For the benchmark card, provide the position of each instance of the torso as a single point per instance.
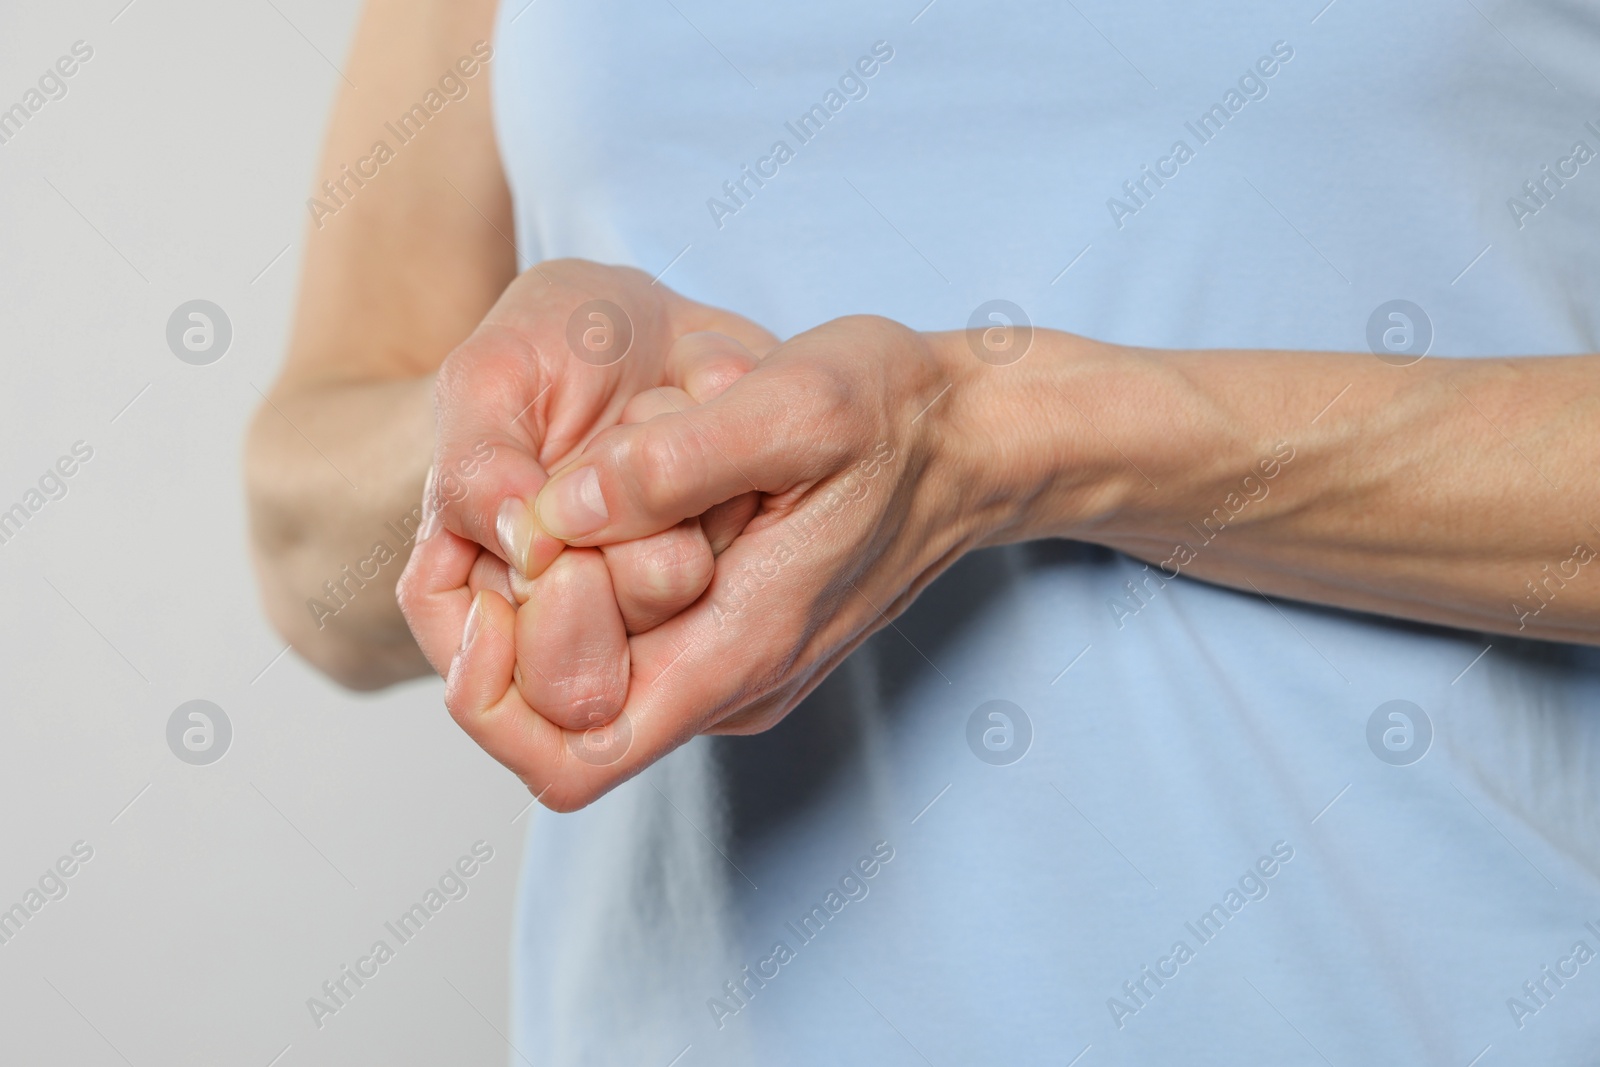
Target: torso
(1197, 729)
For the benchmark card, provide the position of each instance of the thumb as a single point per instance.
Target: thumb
(778, 427)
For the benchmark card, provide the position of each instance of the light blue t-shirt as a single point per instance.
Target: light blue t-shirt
(1198, 827)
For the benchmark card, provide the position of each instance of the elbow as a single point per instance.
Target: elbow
(354, 637)
(359, 670)
(338, 649)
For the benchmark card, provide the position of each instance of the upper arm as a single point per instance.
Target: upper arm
(412, 246)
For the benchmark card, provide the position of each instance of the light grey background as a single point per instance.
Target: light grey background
(219, 897)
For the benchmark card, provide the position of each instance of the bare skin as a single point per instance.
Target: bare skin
(388, 287)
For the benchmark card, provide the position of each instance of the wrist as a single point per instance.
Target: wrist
(1057, 443)
(1138, 449)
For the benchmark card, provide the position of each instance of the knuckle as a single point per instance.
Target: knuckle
(826, 423)
(577, 706)
(671, 569)
(593, 703)
(665, 459)
(828, 390)
(485, 364)
(835, 395)
(458, 374)
(586, 692)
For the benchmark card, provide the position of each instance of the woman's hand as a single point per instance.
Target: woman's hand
(873, 480)
(572, 652)
(570, 348)
(559, 357)
(1449, 493)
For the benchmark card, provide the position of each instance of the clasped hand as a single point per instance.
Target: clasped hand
(648, 520)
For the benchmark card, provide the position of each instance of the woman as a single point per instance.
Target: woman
(1263, 717)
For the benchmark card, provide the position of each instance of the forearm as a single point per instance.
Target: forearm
(1452, 491)
(332, 524)
(399, 266)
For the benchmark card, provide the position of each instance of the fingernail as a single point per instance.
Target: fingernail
(572, 505)
(474, 623)
(430, 510)
(514, 526)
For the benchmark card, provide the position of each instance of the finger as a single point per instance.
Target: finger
(666, 399)
(433, 597)
(704, 364)
(768, 432)
(658, 576)
(701, 366)
(485, 468)
(564, 769)
(709, 663)
(480, 671)
(685, 676)
(490, 572)
(484, 703)
(571, 647)
(690, 317)
(707, 366)
(727, 520)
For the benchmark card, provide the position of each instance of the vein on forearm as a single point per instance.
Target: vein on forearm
(1448, 492)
